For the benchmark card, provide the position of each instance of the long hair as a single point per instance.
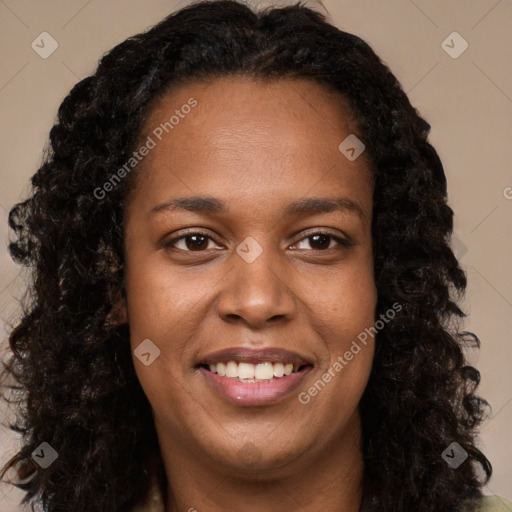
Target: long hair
(76, 386)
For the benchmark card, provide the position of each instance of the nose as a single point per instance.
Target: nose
(257, 292)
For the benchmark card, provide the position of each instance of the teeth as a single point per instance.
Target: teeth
(278, 370)
(221, 369)
(247, 372)
(264, 371)
(231, 369)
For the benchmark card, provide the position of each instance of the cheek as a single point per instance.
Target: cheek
(345, 318)
(345, 301)
(161, 300)
(164, 308)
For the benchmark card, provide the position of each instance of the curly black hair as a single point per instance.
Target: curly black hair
(75, 382)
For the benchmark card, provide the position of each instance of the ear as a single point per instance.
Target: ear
(118, 314)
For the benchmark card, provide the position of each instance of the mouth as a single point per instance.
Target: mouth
(254, 377)
(266, 371)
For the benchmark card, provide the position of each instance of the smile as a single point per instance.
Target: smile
(248, 372)
(249, 384)
(249, 377)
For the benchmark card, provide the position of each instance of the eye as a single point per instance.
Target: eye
(192, 242)
(322, 240)
(198, 241)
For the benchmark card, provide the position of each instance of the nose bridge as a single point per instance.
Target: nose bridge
(256, 288)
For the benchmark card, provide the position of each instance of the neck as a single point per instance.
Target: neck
(330, 480)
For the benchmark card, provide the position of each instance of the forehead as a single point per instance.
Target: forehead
(229, 104)
(248, 135)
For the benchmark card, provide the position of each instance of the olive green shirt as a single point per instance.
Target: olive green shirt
(154, 502)
(495, 504)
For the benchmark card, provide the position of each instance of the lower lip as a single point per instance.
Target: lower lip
(254, 393)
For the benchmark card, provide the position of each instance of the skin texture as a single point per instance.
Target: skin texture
(257, 147)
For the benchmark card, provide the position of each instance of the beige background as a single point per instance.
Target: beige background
(467, 100)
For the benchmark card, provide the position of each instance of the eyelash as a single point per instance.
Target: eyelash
(342, 242)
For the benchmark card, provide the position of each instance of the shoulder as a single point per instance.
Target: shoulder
(494, 504)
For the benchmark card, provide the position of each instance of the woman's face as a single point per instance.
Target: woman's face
(261, 273)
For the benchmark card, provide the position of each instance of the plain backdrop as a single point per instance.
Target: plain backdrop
(464, 93)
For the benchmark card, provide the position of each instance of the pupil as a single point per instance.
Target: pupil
(323, 238)
(196, 245)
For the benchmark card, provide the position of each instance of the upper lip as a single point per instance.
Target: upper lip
(255, 356)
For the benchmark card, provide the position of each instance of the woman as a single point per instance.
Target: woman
(243, 286)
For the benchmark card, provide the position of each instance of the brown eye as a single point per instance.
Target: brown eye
(322, 241)
(197, 242)
(191, 242)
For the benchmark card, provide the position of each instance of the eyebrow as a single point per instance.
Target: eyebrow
(301, 208)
